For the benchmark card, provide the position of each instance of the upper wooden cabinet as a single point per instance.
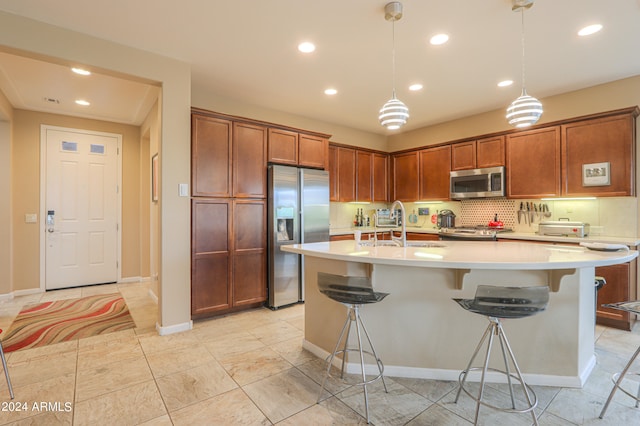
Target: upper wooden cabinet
(346, 177)
(487, 152)
(210, 156)
(313, 151)
(333, 173)
(405, 176)
(434, 169)
(228, 159)
(249, 161)
(533, 163)
(283, 147)
(364, 176)
(300, 149)
(380, 177)
(609, 140)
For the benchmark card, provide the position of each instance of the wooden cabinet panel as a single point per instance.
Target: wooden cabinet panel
(435, 166)
(283, 147)
(620, 287)
(380, 177)
(364, 176)
(346, 174)
(210, 156)
(405, 176)
(463, 155)
(333, 173)
(611, 140)
(249, 252)
(533, 163)
(341, 237)
(419, 236)
(210, 256)
(312, 151)
(249, 161)
(490, 152)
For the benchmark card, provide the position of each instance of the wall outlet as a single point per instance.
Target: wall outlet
(423, 211)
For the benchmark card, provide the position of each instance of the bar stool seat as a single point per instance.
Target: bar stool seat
(497, 303)
(6, 370)
(632, 306)
(353, 292)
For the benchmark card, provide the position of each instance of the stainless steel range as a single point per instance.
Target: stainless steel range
(471, 233)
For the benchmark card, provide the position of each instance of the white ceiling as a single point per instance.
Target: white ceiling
(246, 50)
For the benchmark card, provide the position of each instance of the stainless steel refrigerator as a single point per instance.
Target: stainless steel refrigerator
(298, 212)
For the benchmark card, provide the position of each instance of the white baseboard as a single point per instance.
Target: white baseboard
(13, 294)
(153, 296)
(130, 280)
(452, 375)
(171, 329)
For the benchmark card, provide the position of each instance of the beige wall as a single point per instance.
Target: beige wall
(47, 42)
(6, 114)
(340, 134)
(26, 191)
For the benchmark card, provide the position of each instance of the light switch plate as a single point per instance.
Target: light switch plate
(183, 189)
(30, 218)
(422, 211)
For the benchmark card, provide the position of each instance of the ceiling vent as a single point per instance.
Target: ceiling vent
(51, 100)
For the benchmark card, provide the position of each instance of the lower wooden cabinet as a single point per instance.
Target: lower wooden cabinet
(420, 236)
(621, 282)
(228, 255)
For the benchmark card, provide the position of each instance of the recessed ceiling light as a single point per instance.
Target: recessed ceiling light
(590, 29)
(306, 47)
(81, 71)
(505, 83)
(82, 102)
(415, 87)
(439, 39)
(330, 91)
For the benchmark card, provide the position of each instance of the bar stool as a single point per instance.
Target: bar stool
(632, 306)
(6, 370)
(353, 292)
(497, 303)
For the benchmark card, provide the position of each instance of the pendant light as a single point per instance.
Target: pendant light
(394, 113)
(526, 110)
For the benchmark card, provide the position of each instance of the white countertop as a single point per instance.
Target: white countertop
(527, 236)
(468, 255)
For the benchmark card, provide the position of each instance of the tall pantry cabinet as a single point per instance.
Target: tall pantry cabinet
(228, 214)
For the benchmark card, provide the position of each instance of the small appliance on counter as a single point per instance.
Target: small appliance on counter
(446, 219)
(384, 219)
(564, 228)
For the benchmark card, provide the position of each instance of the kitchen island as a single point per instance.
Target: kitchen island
(420, 332)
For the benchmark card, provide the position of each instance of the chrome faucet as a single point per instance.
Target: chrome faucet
(402, 240)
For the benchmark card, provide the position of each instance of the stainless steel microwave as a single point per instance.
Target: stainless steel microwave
(477, 183)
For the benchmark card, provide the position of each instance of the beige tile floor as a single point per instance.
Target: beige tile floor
(249, 368)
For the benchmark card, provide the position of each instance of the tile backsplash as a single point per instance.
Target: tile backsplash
(610, 216)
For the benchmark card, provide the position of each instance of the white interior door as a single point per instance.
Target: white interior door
(81, 208)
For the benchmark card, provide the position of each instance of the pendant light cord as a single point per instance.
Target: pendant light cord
(393, 56)
(522, 29)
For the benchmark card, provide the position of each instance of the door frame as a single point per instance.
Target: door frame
(43, 196)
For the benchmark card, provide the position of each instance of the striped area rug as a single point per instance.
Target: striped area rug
(63, 320)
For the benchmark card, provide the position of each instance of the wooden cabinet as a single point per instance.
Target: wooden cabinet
(621, 284)
(210, 156)
(249, 161)
(228, 159)
(364, 176)
(228, 259)
(283, 147)
(533, 163)
(434, 168)
(420, 236)
(405, 176)
(380, 177)
(333, 173)
(300, 149)
(313, 151)
(346, 175)
(487, 152)
(606, 140)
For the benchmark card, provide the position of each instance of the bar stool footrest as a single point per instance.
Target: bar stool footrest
(615, 378)
(528, 409)
(378, 361)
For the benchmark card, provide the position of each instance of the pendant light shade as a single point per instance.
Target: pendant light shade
(526, 110)
(394, 113)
